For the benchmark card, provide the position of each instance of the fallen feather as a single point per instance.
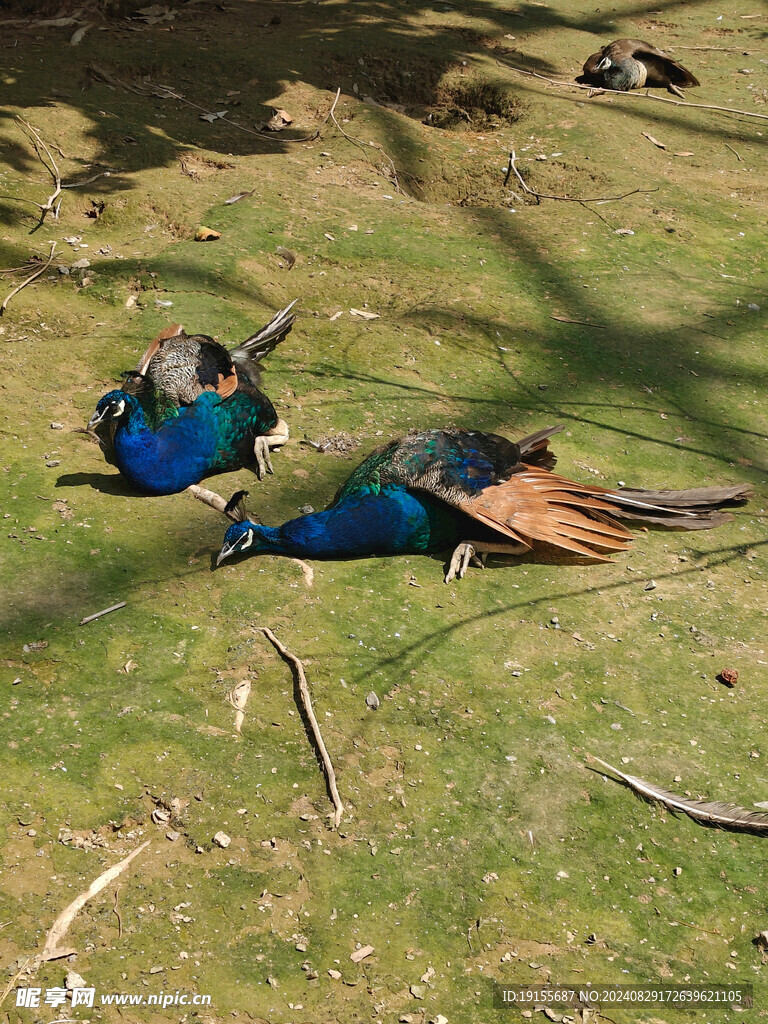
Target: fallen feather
(365, 314)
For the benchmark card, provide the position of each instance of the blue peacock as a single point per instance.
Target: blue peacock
(192, 408)
(473, 493)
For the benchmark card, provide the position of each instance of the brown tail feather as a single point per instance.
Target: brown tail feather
(534, 505)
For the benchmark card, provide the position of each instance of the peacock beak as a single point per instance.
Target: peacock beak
(95, 420)
(225, 552)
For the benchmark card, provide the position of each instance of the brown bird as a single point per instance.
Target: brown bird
(628, 64)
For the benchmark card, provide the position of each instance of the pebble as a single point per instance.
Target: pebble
(222, 839)
(57, 426)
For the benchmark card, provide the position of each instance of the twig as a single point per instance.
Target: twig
(363, 145)
(210, 498)
(571, 199)
(307, 570)
(584, 323)
(31, 278)
(733, 151)
(104, 611)
(60, 926)
(306, 701)
(116, 912)
(78, 184)
(30, 961)
(695, 927)
(631, 95)
(38, 141)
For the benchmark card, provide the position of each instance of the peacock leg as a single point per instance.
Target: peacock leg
(275, 437)
(261, 453)
(467, 552)
(278, 434)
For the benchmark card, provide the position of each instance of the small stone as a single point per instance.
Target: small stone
(306, 510)
(52, 463)
(31, 833)
(82, 264)
(650, 585)
(418, 991)
(74, 980)
(333, 973)
(301, 947)
(172, 836)
(272, 982)
(156, 970)
(677, 872)
(57, 426)
(361, 954)
(372, 701)
(222, 839)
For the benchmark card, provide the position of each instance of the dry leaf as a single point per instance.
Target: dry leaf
(77, 36)
(214, 117)
(336, 315)
(654, 141)
(280, 119)
(365, 314)
(207, 235)
(128, 667)
(330, 238)
(684, 153)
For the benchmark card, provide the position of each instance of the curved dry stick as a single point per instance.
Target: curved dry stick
(632, 95)
(60, 926)
(31, 278)
(568, 199)
(306, 702)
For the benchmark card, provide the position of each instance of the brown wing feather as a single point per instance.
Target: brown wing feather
(172, 331)
(539, 506)
(227, 385)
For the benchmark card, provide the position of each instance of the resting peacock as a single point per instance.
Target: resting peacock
(192, 408)
(628, 64)
(476, 493)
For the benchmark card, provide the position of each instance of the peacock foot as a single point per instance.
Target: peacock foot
(461, 559)
(475, 552)
(261, 453)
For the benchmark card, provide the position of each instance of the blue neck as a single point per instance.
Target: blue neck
(179, 453)
(392, 522)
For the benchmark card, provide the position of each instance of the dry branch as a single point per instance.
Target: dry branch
(31, 278)
(60, 926)
(568, 199)
(104, 611)
(306, 702)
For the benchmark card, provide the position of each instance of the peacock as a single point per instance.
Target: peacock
(628, 64)
(192, 408)
(474, 493)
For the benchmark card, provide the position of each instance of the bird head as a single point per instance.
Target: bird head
(603, 64)
(241, 538)
(244, 535)
(111, 408)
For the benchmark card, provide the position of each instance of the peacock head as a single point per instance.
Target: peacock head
(111, 408)
(244, 535)
(240, 538)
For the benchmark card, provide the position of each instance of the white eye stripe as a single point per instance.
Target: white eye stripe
(247, 541)
(121, 407)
